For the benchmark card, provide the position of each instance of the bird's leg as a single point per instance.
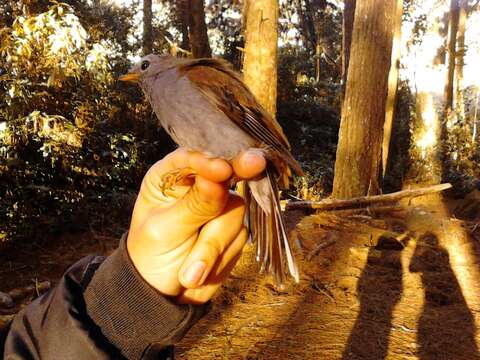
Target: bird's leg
(174, 177)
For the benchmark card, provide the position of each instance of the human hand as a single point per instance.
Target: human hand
(186, 243)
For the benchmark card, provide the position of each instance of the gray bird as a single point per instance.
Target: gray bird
(205, 106)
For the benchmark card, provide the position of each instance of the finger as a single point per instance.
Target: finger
(214, 170)
(219, 273)
(249, 164)
(232, 253)
(204, 201)
(150, 190)
(213, 239)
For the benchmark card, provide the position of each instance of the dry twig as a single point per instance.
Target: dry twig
(328, 204)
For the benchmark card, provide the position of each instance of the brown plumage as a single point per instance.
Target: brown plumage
(204, 106)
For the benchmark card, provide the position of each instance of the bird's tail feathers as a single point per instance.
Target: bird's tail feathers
(267, 228)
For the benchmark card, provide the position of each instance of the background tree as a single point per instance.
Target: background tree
(198, 29)
(392, 84)
(460, 57)
(260, 64)
(317, 26)
(147, 47)
(358, 159)
(347, 27)
(453, 19)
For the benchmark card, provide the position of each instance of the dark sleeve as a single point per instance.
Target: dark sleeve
(101, 309)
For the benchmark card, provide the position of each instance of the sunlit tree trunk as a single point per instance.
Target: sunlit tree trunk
(198, 30)
(260, 64)
(348, 18)
(452, 52)
(460, 55)
(392, 85)
(426, 126)
(426, 167)
(318, 54)
(147, 47)
(475, 114)
(357, 165)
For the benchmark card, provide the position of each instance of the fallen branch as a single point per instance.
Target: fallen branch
(328, 204)
(368, 210)
(328, 242)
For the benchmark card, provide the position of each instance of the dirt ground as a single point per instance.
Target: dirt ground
(400, 286)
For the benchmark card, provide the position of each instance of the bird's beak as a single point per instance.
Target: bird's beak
(132, 77)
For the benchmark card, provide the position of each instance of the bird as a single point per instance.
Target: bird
(204, 106)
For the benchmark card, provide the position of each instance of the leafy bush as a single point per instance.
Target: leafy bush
(308, 111)
(71, 138)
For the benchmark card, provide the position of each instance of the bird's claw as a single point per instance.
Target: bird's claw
(174, 177)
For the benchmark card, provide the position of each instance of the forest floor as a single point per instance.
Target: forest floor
(400, 286)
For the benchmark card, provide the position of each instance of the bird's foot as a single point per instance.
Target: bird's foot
(174, 177)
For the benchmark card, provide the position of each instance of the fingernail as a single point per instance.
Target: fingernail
(194, 273)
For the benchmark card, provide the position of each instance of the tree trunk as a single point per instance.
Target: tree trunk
(357, 165)
(198, 30)
(147, 47)
(452, 52)
(318, 55)
(348, 19)
(307, 23)
(183, 15)
(260, 65)
(460, 55)
(392, 85)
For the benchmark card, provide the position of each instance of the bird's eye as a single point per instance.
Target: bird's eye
(145, 64)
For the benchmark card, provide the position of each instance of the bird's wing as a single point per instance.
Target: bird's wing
(223, 86)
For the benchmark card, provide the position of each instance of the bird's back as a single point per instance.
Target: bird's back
(191, 119)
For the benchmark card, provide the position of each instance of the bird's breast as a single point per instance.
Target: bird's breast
(192, 120)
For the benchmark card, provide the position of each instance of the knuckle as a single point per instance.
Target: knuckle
(214, 246)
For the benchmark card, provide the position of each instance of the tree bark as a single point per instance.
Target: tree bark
(460, 55)
(147, 47)
(348, 19)
(307, 23)
(183, 16)
(260, 64)
(392, 85)
(452, 53)
(198, 30)
(318, 54)
(357, 165)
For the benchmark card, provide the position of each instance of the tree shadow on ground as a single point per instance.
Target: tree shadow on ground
(446, 327)
(379, 289)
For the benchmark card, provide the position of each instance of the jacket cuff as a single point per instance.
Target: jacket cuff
(132, 314)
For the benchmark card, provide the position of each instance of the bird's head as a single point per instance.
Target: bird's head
(149, 65)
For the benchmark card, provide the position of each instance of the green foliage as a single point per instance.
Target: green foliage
(70, 137)
(461, 153)
(309, 114)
